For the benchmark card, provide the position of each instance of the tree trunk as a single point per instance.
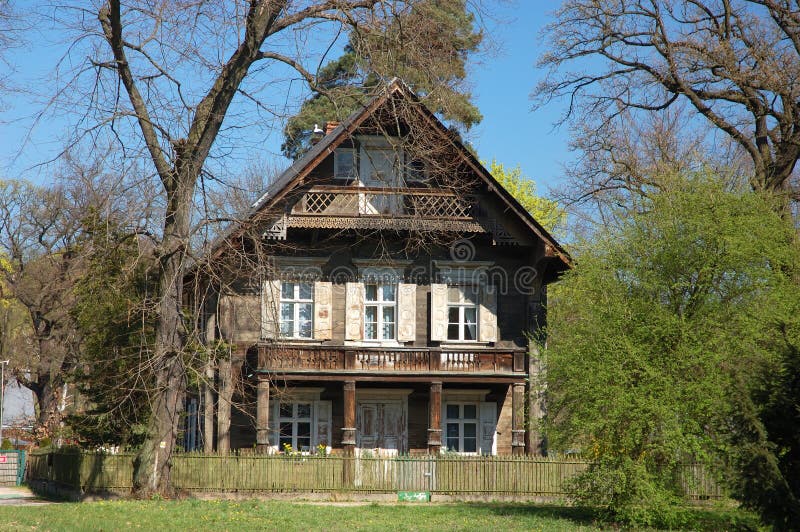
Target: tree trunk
(152, 464)
(47, 405)
(208, 409)
(224, 407)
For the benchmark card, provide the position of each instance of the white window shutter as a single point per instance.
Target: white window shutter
(270, 301)
(354, 310)
(323, 323)
(487, 315)
(488, 427)
(407, 312)
(438, 312)
(322, 424)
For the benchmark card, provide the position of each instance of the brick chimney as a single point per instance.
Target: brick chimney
(330, 126)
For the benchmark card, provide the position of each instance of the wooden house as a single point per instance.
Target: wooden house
(379, 297)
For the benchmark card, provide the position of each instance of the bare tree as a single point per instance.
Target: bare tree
(167, 79)
(735, 62)
(44, 251)
(36, 234)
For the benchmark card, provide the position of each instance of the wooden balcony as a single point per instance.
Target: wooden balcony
(381, 202)
(277, 358)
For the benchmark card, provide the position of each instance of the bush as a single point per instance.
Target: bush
(6, 445)
(625, 491)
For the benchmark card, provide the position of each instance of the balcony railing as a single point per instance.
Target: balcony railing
(287, 358)
(372, 201)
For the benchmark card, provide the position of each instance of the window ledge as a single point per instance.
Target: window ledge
(373, 343)
(455, 344)
(298, 341)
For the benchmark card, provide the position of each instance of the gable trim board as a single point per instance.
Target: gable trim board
(296, 173)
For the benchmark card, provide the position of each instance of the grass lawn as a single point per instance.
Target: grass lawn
(274, 515)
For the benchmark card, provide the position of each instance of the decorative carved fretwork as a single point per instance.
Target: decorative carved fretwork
(499, 233)
(391, 223)
(277, 230)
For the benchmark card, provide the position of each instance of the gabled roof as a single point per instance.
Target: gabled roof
(293, 176)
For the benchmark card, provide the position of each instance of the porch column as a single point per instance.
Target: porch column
(518, 418)
(262, 416)
(349, 429)
(435, 418)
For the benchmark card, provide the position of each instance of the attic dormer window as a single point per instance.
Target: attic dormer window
(379, 162)
(344, 163)
(416, 171)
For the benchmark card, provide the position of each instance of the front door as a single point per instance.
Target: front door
(381, 427)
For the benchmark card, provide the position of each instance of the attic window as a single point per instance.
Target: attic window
(415, 170)
(344, 164)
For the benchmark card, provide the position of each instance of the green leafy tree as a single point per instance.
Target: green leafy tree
(113, 310)
(667, 344)
(427, 45)
(546, 211)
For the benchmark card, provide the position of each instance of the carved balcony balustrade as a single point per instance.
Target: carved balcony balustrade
(332, 359)
(377, 201)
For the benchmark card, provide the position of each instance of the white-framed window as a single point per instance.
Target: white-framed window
(461, 427)
(344, 163)
(380, 311)
(297, 308)
(294, 424)
(462, 313)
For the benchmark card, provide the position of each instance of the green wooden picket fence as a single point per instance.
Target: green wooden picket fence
(453, 475)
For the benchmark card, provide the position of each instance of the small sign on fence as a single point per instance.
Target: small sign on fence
(414, 496)
(3, 459)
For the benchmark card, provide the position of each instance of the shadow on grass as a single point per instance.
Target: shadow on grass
(698, 518)
(576, 514)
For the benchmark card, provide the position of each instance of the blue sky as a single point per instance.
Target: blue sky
(502, 82)
(511, 131)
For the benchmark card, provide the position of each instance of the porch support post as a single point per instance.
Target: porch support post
(349, 429)
(435, 418)
(349, 434)
(262, 416)
(518, 418)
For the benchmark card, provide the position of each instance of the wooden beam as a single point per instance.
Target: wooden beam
(435, 418)
(262, 416)
(349, 429)
(518, 418)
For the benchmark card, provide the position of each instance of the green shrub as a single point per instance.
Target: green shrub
(624, 491)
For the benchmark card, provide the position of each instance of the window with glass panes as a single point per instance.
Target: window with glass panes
(461, 427)
(462, 313)
(297, 305)
(294, 421)
(380, 311)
